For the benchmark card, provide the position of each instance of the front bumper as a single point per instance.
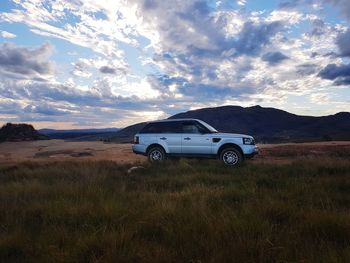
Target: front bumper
(251, 152)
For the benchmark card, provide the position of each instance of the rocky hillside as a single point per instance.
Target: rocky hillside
(265, 124)
(19, 132)
(270, 124)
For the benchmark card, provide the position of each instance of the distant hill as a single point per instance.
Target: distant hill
(265, 124)
(127, 134)
(95, 134)
(20, 132)
(270, 124)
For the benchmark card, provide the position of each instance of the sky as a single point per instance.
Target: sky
(112, 63)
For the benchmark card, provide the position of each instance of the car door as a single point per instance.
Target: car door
(169, 135)
(194, 139)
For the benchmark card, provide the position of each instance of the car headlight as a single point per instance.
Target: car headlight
(249, 141)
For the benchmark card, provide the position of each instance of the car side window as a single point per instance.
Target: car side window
(189, 127)
(201, 128)
(162, 127)
(170, 127)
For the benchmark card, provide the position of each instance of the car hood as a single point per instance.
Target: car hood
(229, 135)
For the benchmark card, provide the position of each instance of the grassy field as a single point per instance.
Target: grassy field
(180, 211)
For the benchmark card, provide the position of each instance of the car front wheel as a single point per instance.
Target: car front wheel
(231, 156)
(156, 154)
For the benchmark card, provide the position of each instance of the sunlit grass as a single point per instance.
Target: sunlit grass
(180, 211)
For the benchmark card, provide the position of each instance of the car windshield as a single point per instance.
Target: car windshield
(210, 128)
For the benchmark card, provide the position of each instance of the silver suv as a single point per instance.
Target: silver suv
(192, 138)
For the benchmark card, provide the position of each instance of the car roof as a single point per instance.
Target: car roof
(169, 120)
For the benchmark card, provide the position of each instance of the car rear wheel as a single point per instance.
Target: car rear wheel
(156, 154)
(231, 156)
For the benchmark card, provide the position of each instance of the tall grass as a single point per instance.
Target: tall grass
(180, 211)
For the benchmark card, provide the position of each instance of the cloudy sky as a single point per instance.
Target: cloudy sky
(111, 63)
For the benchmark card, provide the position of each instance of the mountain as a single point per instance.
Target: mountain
(79, 133)
(265, 124)
(127, 134)
(20, 132)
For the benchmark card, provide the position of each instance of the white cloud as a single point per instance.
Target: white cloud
(81, 68)
(290, 17)
(176, 55)
(24, 63)
(6, 34)
(241, 2)
(54, 19)
(320, 98)
(98, 105)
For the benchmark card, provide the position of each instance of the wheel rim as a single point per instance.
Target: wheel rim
(230, 158)
(156, 155)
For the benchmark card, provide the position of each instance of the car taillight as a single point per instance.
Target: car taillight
(136, 140)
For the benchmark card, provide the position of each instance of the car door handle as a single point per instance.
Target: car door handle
(163, 138)
(187, 138)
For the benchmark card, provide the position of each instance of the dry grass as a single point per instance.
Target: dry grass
(182, 211)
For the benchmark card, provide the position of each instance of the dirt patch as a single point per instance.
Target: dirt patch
(307, 150)
(81, 154)
(287, 153)
(61, 153)
(48, 154)
(56, 150)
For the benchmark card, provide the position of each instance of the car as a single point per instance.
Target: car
(192, 138)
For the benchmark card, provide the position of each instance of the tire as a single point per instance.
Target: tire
(156, 154)
(231, 156)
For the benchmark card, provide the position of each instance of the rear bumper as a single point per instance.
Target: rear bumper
(139, 149)
(137, 152)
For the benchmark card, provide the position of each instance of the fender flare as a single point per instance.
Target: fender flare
(227, 145)
(154, 145)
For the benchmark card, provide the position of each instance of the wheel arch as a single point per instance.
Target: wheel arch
(230, 145)
(154, 145)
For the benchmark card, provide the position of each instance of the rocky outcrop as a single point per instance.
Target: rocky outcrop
(20, 132)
